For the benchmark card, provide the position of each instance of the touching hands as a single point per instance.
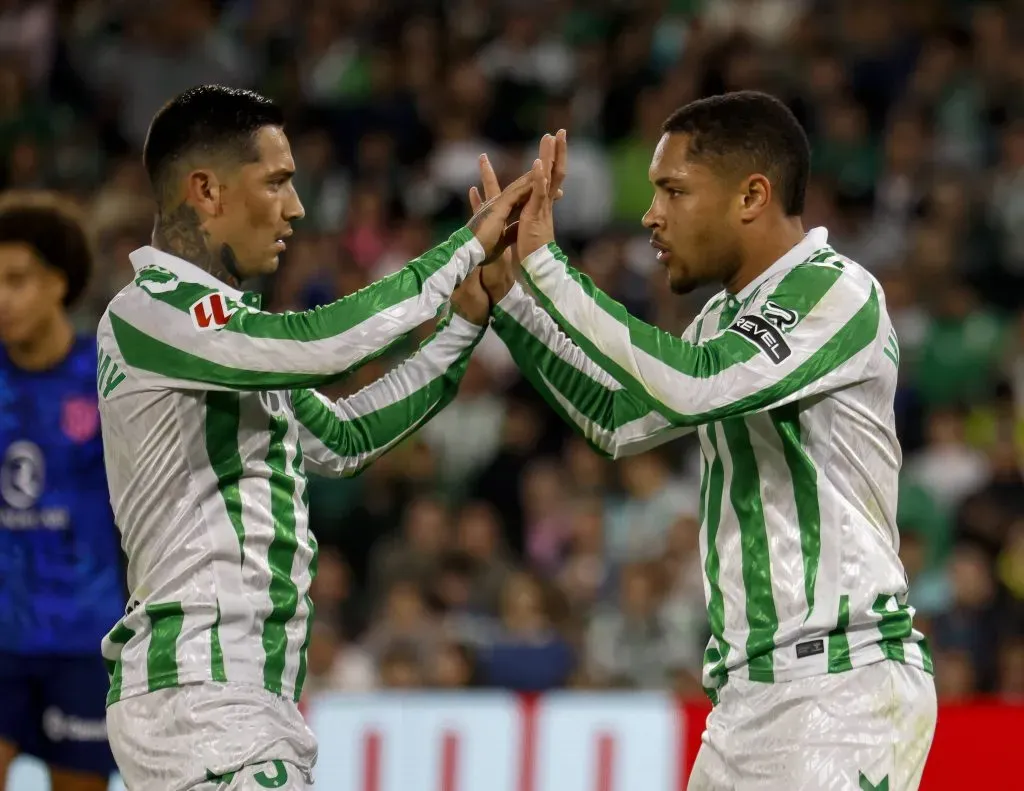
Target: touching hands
(490, 222)
(498, 277)
(536, 227)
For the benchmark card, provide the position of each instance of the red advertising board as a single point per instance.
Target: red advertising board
(584, 742)
(575, 742)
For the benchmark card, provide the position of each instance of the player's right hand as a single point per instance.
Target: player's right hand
(493, 225)
(536, 227)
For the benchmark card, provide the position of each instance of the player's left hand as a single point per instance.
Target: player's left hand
(497, 277)
(536, 221)
(470, 301)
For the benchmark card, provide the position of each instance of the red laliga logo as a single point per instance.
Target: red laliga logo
(211, 312)
(80, 418)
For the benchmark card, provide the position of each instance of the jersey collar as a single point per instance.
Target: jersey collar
(813, 240)
(149, 256)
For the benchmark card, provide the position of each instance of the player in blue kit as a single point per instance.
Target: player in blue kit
(61, 578)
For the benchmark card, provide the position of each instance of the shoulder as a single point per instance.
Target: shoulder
(827, 279)
(159, 297)
(156, 278)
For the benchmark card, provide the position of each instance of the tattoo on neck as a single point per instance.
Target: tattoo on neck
(179, 232)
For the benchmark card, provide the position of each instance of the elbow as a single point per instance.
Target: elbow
(605, 446)
(619, 450)
(350, 470)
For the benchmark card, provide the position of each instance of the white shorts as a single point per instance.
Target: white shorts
(193, 737)
(867, 728)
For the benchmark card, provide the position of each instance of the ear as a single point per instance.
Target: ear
(755, 197)
(60, 284)
(205, 192)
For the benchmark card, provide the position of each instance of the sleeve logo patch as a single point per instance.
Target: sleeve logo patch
(212, 312)
(783, 318)
(769, 339)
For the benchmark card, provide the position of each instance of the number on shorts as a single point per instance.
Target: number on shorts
(279, 778)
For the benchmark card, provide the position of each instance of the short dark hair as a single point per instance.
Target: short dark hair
(209, 119)
(749, 129)
(54, 229)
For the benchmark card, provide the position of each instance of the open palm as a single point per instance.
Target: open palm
(498, 276)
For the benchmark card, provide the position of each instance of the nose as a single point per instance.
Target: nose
(293, 208)
(652, 217)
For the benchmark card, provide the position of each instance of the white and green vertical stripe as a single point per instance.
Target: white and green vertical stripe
(799, 457)
(224, 580)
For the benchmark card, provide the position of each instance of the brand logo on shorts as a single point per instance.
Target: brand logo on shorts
(867, 785)
(212, 312)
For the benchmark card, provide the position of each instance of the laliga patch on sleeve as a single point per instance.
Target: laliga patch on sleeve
(766, 336)
(212, 312)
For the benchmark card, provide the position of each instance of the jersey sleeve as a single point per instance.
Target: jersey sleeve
(194, 337)
(805, 333)
(615, 421)
(340, 439)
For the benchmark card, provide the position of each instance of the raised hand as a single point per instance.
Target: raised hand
(498, 277)
(490, 222)
(536, 226)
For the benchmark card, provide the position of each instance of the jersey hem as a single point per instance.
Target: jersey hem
(167, 681)
(863, 659)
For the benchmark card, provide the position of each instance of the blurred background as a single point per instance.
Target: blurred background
(495, 549)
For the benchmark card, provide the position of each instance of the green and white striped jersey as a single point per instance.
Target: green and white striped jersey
(209, 429)
(790, 385)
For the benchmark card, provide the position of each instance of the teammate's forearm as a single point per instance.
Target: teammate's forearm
(750, 366)
(242, 348)
(346, 436)
(615, 422)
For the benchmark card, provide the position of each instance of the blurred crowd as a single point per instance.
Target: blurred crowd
(495, 548)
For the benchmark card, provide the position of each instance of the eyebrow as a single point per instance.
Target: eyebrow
(281, 173)
(665, 181)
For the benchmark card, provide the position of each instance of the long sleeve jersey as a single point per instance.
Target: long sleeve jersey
(789, 384)
(209, 429)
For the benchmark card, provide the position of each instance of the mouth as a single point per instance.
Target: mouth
(664, 253)
(280, 245)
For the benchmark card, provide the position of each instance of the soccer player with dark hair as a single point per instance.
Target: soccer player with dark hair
(788, 376)
(61, 579)
(210, 424)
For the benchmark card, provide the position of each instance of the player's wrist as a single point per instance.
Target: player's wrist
(514, 295)
(540, 255)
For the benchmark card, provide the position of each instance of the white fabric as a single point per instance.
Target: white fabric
(174, 739)
(820, 734)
